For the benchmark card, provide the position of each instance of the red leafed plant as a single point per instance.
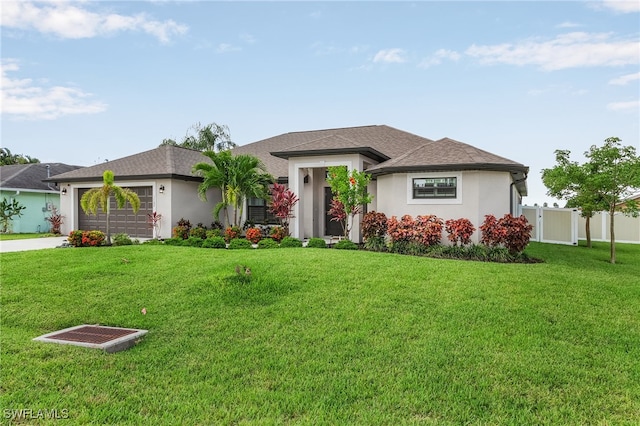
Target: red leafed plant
(374, 224)
(277, 233)
(55, 219)
(425, 230)
(338, 214)
(153, 219)
(281, 204)
(459, 230)
(512, 232)
(254, 235)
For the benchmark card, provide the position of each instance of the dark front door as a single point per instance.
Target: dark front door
(331, 227)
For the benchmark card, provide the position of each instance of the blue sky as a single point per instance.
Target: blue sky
(87, 81)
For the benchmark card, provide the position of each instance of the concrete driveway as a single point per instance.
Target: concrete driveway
(31, 244)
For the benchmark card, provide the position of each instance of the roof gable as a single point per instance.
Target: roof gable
(381, 140)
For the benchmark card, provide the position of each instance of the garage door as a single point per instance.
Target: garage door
(123, 220)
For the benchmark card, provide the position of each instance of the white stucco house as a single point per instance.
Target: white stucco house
(410, 175)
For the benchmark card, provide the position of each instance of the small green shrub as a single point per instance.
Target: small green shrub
(231, 233)
(278, 233)
(216, 232)
(317, 243)
(173, 241)
(240, 243)
(153, 242)
(375, 243)
(122, 240)
(345, 245)
(290, 242)
(267, 243)
(498, 254)
(180, 232)
(198, 232)
(214, 242)
(193, 242)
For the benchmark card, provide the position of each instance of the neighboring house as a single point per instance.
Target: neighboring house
(25, 183)
(162, 179)
(411, 175)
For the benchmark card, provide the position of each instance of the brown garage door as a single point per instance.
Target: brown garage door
(123, 220)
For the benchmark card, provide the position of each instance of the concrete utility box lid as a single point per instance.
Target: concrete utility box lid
(109, 339)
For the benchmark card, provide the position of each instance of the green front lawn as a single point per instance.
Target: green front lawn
(325, 336)
(8, 237)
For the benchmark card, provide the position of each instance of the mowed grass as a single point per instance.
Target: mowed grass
(320, 336)
(26, 236)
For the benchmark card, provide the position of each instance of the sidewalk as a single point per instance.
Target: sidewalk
(31, 244)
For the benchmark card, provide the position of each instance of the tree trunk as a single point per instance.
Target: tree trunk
(588, 231)
(612, 211)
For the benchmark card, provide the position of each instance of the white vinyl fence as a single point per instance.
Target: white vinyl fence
(566, 226)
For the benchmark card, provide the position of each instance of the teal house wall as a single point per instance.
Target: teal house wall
(38, 208)
(25, 184)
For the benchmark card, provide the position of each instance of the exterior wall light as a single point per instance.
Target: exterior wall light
(64, 191)
(161, 189)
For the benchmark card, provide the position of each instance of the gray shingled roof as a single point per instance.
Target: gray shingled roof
(402, 151)
(166, 161)
(31, 176)
(447, 154)
(385, 140)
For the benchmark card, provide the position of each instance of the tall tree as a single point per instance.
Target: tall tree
(7, 158)
(615, 171)
(237, 177)
(101, 198)
(211, 137)
(573, 182)
(350, 188)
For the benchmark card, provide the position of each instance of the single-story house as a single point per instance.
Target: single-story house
(24, 183)
(410, 175)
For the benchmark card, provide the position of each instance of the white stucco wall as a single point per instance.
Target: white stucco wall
(178, 200)
(479, 193)
(309, 212)
(185, 203)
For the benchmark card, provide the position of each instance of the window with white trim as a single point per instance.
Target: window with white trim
(435, 188)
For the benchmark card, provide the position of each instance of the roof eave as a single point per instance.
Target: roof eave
(512, 168)
(126, 177)
(366, 151)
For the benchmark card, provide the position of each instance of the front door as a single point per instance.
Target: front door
(331, 227)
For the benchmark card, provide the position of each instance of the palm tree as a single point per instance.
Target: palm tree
(249, 179)
(237, 177)
(215, 175)
(101, 197)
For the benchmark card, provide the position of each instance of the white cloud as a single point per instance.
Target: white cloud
(438, 56)
(572, 50)
(623, 106)
(568, 24)
(24, 100)
(74, 20)
(390, 56)
(625, 79)
(624, 6)
(226, 48)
